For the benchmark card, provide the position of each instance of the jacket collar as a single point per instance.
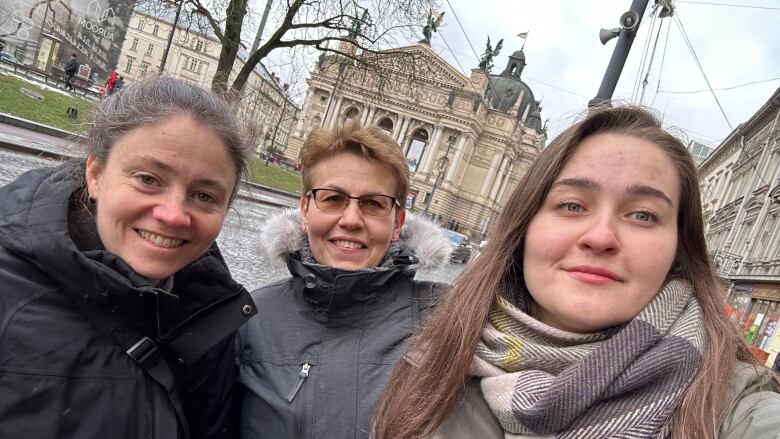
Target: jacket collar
(422, 246)
(34, 225)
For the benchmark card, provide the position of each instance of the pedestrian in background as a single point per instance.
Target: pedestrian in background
(594, 311)
(316, 357)
(110, 81)
(70, 70)
(118, 312)
(119, 84)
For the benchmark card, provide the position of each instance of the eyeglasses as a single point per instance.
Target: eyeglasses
(333, 201)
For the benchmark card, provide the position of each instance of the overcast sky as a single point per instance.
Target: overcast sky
(566, 61)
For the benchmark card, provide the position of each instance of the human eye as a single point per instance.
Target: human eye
(147, 179)
(331, 198)
(570, 207)
(206, 198)
(644, 216)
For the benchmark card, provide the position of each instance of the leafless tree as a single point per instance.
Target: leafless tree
(321, 24)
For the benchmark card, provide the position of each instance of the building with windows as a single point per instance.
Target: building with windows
(468, 139)
(193, 57)
(740, 182)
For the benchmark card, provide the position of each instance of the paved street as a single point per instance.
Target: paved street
(239, 240)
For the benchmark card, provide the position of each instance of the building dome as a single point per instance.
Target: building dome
(507, 93)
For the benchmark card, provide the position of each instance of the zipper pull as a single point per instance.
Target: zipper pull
(302, 375)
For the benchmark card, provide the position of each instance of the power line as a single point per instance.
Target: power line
(729, 4)
(461, 29)
(663, 58)
(720, 89)
(698, 64)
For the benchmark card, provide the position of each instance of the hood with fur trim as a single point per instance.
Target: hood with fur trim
(283, 236)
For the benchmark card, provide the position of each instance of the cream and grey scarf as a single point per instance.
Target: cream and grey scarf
(623, 382)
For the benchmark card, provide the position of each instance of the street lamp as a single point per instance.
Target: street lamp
(443, 162)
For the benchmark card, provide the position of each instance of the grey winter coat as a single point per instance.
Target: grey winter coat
(754, 414)
(315, 359)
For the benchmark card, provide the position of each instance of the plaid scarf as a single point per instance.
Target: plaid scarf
(623, 382)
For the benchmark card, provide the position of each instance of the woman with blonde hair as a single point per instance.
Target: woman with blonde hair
(593, 312)
(315, 359)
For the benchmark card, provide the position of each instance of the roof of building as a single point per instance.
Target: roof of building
(508, 93)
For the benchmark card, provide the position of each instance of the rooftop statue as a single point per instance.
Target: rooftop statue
(486, 61)
(431, 26)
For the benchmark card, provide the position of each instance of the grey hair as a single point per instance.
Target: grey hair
(151, 101)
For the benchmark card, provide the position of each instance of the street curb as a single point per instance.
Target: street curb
(40, 128)
(60, 133)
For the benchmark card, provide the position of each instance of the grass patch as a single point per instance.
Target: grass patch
(52, 110)
(275, 176)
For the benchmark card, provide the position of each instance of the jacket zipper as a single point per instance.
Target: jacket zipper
(302, 375)
(169, 335)
(149, 407)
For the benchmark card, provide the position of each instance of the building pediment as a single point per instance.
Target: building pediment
(420, 61)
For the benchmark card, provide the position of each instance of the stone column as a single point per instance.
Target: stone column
(334, 115)
(490, 175)
(455, 163)
(430, 150)
(307, 103)
(402, 132)
(369, 115)
(497, 183)
(505, 183)
(397, 126)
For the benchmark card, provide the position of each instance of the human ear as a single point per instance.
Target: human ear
(92, 176)
(400, 218)
(304, 209)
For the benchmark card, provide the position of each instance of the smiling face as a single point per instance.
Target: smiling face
(162, 195)
(350, 239)
(604, 239)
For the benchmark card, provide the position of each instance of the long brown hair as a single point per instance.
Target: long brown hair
(420, 397)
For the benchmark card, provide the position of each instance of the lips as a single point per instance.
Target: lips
(595, 273)
(347, 244)
(159, 240)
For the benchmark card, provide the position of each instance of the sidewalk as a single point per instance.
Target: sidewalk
(28, 137)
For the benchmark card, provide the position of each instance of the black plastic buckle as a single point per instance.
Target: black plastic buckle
(144, 352)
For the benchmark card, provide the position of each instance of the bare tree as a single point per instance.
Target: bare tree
(320, 24)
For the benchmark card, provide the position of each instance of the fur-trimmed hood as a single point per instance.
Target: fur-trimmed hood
(283, 236)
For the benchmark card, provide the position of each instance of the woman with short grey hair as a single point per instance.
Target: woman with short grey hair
(118, 311)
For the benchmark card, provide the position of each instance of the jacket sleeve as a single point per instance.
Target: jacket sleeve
(210, 395)
(755, 412)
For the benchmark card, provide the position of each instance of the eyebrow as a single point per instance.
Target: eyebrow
(344, 191)
(636, 188)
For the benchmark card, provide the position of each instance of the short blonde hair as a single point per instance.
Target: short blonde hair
(369, 142)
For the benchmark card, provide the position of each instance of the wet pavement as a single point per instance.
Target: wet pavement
(239, 240)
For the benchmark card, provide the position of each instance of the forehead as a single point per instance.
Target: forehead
(619, 161)
(178, 144)
(354, 174)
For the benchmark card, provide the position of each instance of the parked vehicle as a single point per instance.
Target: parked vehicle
(10, 59)
(461, 246)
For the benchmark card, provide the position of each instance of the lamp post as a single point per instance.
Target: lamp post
(170, 36)
(440, 171)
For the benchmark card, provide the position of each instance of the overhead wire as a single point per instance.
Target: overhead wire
(728, 4)
(645, 81)
(698, 64)
(720, 88)
(643, 58)
(663, 58)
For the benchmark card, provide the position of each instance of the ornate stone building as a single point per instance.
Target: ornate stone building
(740, 183)
(193, 58)
(468, 140)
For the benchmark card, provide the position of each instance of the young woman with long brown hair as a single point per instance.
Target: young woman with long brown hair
(593, 312)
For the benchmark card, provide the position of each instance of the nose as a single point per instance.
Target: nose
(600, 236)
(351, 217)
(173, 212)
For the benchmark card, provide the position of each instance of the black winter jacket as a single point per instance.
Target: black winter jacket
(61, 375)
(315, 359)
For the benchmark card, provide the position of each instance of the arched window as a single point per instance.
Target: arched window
(386, 124)
(416, 148)
(351, 113)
